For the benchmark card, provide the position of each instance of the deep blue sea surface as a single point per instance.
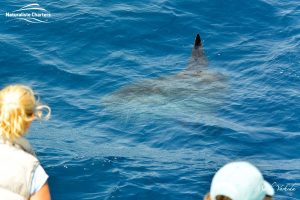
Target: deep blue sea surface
(147, 145)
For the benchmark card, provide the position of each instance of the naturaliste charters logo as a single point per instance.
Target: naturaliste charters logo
(32, 13)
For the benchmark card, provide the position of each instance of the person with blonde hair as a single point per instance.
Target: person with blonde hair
(239, 181)
(21, 175)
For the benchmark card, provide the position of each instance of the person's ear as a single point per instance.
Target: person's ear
(206, 197)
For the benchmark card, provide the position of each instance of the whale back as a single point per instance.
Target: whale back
(194, 91)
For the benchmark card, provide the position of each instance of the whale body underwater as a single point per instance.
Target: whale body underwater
(189, 94)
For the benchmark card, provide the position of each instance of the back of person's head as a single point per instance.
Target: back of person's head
(219, 197)
(18, 107)
(239, 181)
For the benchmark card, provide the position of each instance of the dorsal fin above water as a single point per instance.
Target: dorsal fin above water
(198, 59)
(197, 51)
(198, 42)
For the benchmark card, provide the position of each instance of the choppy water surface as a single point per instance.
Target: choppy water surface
(109, 140)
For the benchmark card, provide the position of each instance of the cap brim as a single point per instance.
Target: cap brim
(268, 189)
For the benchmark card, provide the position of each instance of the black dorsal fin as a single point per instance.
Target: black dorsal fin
(198, 42)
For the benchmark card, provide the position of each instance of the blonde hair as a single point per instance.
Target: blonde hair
(18, 107)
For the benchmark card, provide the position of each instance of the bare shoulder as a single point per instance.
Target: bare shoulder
(42, 194)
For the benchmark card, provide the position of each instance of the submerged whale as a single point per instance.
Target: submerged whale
(194, 91)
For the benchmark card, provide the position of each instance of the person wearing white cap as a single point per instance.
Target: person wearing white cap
(239, 181)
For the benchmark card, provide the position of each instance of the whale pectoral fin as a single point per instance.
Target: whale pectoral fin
(198, 42)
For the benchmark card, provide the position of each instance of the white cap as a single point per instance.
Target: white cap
(240, 181)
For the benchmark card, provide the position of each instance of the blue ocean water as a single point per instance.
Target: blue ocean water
(158, 148)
